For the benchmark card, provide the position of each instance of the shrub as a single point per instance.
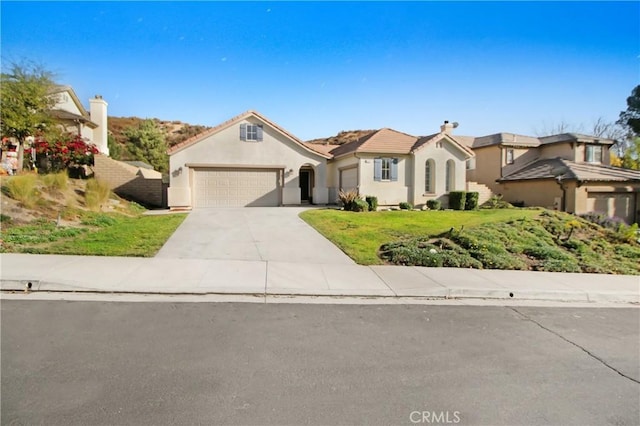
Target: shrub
(359, 205)
(434, 204)
(404, 205)
(471, 201)
(100, 220)
(23, 189)
(348, 198)
(496, 202)
(372, 201)
(457, 200)
(56, 181)
(96, 194)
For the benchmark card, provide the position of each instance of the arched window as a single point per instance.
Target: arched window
(429, 176)
(451, 176)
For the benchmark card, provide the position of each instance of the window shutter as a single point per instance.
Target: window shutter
(243, 132)
(259, 133)
(394, 170)
(377, 169)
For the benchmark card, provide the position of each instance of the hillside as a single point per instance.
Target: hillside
(176, 131)
(343, 137)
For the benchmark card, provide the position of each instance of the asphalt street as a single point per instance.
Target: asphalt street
(106, 363)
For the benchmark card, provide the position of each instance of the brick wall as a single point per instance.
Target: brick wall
(131, 182)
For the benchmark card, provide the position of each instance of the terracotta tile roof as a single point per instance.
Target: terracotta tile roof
(586, 172)
(199, 137)
(574, 137)
(506, 139)
(383, 141)
(321, 148)
(425, 140)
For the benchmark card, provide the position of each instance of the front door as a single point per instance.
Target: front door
(305, 186)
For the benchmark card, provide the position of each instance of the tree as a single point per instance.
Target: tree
(630, 120)
(25, 96)
(115, 149)
(147, 142)
(69, 151)
(631, 117)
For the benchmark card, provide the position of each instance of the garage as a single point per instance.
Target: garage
(349, 179)
(233, 187)
(613, 204)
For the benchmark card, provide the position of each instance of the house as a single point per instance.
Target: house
(397, 167)
(246, 161)
(569, 172)
(69, 113)
(251, 161)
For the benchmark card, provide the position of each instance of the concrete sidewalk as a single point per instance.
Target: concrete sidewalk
(54, 273)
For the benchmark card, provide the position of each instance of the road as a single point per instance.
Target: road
(98, 363)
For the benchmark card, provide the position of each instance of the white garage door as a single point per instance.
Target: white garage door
(221, 187)
(349, 179)
(613, 204)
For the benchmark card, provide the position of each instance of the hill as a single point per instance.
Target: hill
(176, 131)
(343, 137)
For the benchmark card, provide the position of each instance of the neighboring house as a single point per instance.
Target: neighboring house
(73, 117)
(568, 172)
(251, 161)
(246, 161)
(397, 167)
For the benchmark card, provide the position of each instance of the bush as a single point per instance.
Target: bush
(434, 204)
(23, 188)
(348, 198)
(372, 201)
(457, 200)
(359, 205)
(404, 205)
(496, 202)
(56, 181)
(471, 201)
(96, 194)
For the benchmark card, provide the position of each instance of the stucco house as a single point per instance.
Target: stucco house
(246, 161)
(251, 161)
(569, 172)
(397, 167)
(69, 113)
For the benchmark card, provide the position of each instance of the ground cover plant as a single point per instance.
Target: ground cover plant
(360, 235)
(552, 241)
(71, 216)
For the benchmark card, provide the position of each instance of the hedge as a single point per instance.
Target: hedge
(457, 200)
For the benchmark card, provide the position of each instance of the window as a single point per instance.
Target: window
(385, 169)
(429, 176)
(450, 184)
(510, 156)
(593, 154)
(471, 163)
(251, 132)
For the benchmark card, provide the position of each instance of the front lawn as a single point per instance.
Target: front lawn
(101, 234)
(360, 235)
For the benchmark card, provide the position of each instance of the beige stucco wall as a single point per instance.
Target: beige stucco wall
(540, 193)
(226, 148)
(440, 152)
(562, 150)
(333, 174)
(521, 157)
(488, 166)
(388, 193)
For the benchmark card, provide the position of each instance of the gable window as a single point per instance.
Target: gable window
(385, 169)
(429, 176)
(450, 184)
(593, 154)
(510, 156)
(251, 132)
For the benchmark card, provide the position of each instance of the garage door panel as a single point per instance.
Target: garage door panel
(612, 204)
(236, 187)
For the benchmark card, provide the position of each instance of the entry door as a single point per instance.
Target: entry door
(305, 185)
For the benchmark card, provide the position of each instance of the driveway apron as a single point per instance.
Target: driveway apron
(251, 233)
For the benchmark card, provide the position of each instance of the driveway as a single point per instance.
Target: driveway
(251, 233)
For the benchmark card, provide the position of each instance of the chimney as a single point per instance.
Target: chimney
(98, 112)
(448, 127)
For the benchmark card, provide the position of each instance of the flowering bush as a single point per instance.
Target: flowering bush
(67, 152)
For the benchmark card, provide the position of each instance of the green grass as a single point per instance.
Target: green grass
(360, 235)
(104, 235)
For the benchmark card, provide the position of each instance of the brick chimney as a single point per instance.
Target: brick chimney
(98, 112)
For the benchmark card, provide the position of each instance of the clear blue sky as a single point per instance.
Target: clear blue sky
(318, 68)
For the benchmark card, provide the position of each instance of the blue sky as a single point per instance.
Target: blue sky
(318, 68)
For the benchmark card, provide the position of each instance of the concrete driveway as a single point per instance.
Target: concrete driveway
(256, 233)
